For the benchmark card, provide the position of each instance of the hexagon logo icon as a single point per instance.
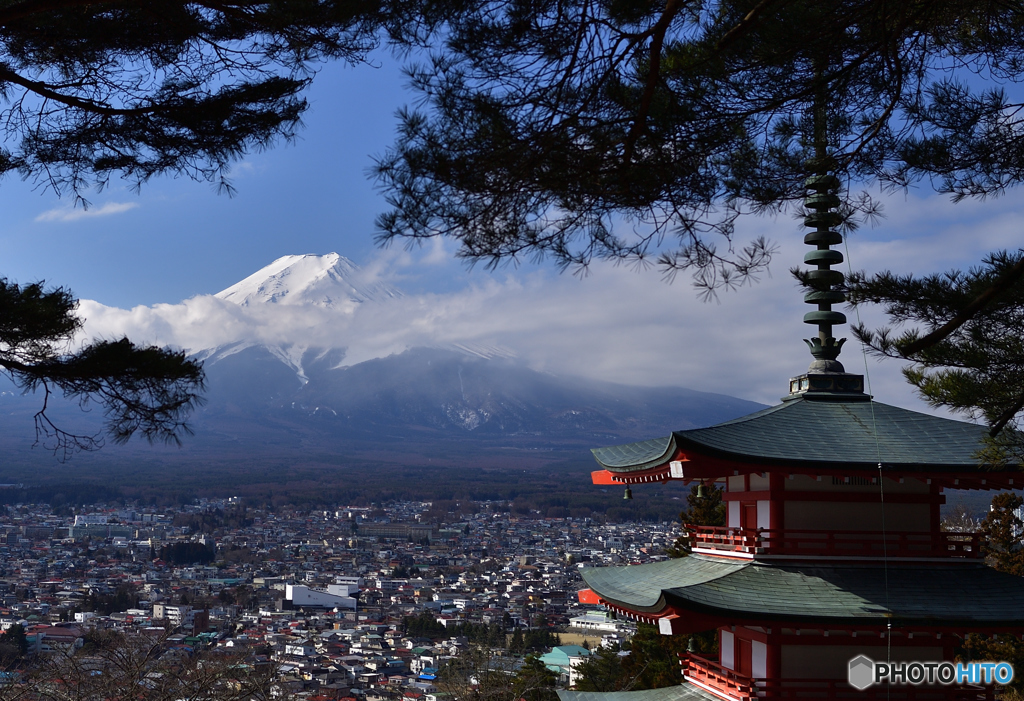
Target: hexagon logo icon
(861, 674)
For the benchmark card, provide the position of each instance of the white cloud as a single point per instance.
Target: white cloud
(614, 325)
(66, 214)
(246, 169)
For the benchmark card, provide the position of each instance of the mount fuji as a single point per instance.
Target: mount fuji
(455, 401)
(330, 281)
(447, 391)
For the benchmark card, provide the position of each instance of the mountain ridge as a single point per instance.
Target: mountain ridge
(461, 402)
(448, 393)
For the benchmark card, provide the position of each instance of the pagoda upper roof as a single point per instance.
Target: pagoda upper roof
(851, 594)
(824, 432)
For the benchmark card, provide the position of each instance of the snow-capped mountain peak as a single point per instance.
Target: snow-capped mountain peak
(330, 281)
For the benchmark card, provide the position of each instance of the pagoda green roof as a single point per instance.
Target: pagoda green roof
(826, 433)
(870, 594)
(679, 692)
(637, 456)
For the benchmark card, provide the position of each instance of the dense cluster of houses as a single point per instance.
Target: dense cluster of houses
(324, 594)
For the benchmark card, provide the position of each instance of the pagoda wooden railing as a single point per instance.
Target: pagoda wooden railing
(720, 680)
(764, 541)
(732, 686)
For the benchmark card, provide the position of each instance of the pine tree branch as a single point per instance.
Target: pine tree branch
(28, 9)
(1005, 417)
(746, 24)
(672, 8)
(1005, 282)
(47, 91)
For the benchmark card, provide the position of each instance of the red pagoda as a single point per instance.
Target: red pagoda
(832, 548)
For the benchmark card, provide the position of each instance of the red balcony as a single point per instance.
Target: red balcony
(717, 679)
(731, 686)
(763, 541)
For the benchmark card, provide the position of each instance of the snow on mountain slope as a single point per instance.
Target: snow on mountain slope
(331, 281)
(335, 285)
(291, 355)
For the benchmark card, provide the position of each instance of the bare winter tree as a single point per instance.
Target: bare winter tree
(142, 667)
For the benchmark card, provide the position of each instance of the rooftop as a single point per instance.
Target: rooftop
(813, 593)
(824, 432)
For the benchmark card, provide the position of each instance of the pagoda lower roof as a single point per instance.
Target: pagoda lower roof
(679, 692)
(811, 593)
(823, 432)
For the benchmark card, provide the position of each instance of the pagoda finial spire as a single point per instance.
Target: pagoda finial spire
(826, 378)
(823, 216)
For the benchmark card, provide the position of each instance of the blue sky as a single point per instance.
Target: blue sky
(178, 240)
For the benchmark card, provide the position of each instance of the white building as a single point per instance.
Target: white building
(335, 596)
(302, 648)
(601, 621)
(91, 519)
(175, 615)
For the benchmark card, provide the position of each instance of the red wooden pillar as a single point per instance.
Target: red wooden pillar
(773, 663)
(776, 492)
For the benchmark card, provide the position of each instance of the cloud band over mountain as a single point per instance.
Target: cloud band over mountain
(616, 324)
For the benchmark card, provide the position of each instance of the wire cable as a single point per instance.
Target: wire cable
(881, 481)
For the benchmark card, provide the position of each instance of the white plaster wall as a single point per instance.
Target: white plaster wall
(734, 515)
(728, 648)
(759, 659)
